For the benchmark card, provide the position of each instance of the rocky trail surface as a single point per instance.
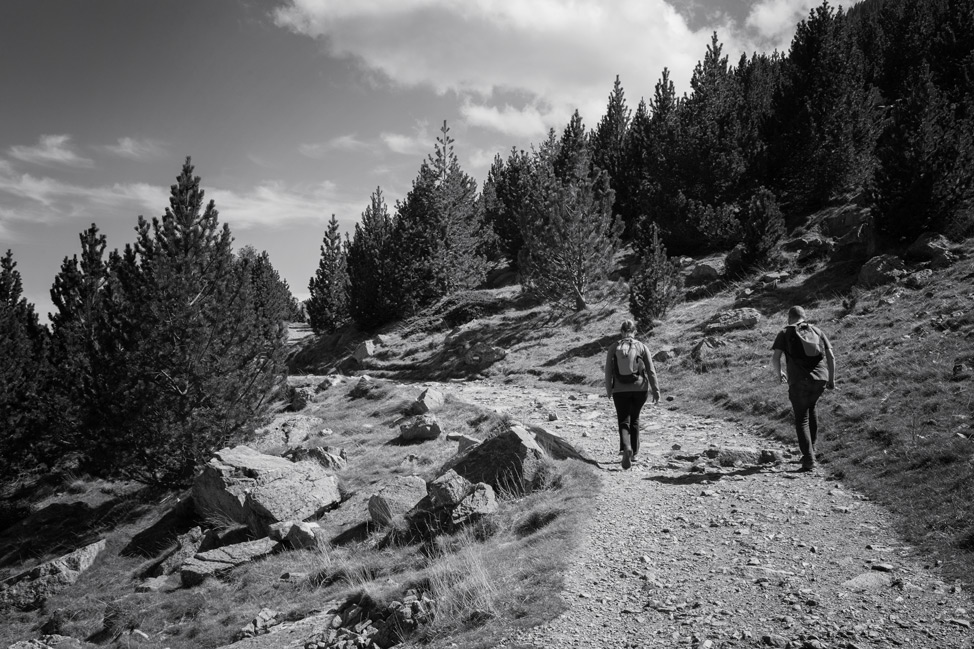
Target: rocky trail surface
(685, 553)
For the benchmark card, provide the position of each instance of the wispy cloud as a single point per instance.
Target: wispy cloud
(319, 150)
(416, 143)
(50, 150)
(774, 21)
(277, 203)
(136, 149)
(517, 122)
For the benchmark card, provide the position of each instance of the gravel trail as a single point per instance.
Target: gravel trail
(684, 553)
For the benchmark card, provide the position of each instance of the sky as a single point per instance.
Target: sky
(294, 110)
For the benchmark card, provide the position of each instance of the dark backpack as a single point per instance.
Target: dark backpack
(628, 361)
(806, 343)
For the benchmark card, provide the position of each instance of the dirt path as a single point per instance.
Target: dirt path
(729, 557)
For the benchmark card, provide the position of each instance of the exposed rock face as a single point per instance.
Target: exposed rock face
(846, 220)
(463, 441)
(395, 499)
(733, 319)
(429, 400)
(448, 489)
(481, 355)
(258, 490)
(422, 427)
(298, 535)
(556, 446)
(215, 562)
(857, 243)
(511, 461)
(932, 247)
(481, 501)
(706, 271)
(364, 350)
(29, 589)
(883, 269)
(329, 457)
(290, 429)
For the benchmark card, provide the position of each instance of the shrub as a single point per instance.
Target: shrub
(657, 285)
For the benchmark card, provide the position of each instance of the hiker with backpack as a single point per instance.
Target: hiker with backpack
(810, 370)
(629, 377)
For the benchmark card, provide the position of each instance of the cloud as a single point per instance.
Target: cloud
(50, 150)
(775, 21)
(558, 53)
(416, 143)
(341, 143)
(275, 203)
(134, 149)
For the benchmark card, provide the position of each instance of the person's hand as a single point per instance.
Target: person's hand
(783, 378)
(655, 398)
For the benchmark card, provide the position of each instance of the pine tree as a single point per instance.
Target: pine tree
(274, 305)
(574, 155)
(609, 140)
(22, 370)
(77, 295)
(372, 284)
(509, 184)
(657, 284)
(189, 367)
(570, 235)
(327, 307)
(762, 226)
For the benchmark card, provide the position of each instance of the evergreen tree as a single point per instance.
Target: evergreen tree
(187, 363)
(573, 150)
(609, 140)
(509, 183)
(77, 295)
(438, 232)
(570, 235)
(22, 370)
(657, 284)
(274, 305)
(371, 280)
(634, 168)
(328, 308)
(762, 226)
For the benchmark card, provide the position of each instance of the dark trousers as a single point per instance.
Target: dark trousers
(628, 405)
(803, 396)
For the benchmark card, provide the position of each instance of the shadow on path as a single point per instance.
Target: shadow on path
(697, 478)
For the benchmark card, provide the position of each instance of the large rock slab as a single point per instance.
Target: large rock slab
(481, 501)
(429, 400)
(481, 355)
(420, 428)
(512, 461)
(216, 562)
(395, 499)
(29, 589)
(258, 490)
(734, 319)
(556, 446)
(882, 269)
(448, 489)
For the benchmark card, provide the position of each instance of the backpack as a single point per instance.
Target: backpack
(807, 342)
(628, 362)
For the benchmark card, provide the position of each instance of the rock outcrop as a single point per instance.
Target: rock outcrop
(556, 446)
(420, 428)
(512, 461)
(882, 269)
(258, 490)
(429, 400)
(734, 319)
(28, 590)
(216, 562)
(394, 500)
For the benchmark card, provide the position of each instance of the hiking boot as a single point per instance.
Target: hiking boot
(626, 459)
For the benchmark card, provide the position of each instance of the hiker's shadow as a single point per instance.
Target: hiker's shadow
(709, 476)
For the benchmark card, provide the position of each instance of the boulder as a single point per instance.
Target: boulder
(395, 499)
(289, 430)
(261, 624)
(366, 349)
(448, 490)
(362, 388)
(918, 279)
(512, 461)
(747, 318)
(845, 220)
(809, 246)
(707, 270)
(429, 400)
(664, 355)
(221, 536)
(481, 501)
(932, 247)
(329, 457)
(883, 269)
(258, 490)
(28, 590)
(701, 351)
(555, 445)
(420, 427)
(735, 257)
(728, 457)
(857, 244)
(463, 441)
(298, 535)
(774, 277)
(216, 562)
(868, 581)
(330, 381)
(187, 545)
(482, 354)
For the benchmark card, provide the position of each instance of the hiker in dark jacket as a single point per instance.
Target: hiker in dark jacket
(629, 388)
(810, 369)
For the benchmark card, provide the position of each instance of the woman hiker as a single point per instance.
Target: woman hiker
(629, 376)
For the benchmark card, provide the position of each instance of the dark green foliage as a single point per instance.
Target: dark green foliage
(438, 233)
(274, 305)
(762, 226)
(185, 363)
(368, 258)
(609, 140)
(328, 307)
(569, 233)
(77, 295)
(506, 193)
(22, 369)
(657, 284)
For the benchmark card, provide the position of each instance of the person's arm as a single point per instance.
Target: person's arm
(651, 374)
(776, 366)
(608, 370)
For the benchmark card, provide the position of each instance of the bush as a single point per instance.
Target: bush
(762, 227)
(657, 285)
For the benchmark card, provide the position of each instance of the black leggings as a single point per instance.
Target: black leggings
(628, 405)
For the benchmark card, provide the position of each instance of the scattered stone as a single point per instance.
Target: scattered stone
(299, 535)
(429, 400)
(481, 501)
(366, 349)
(362, 388)
(883, 269)
(883, 567)
(728, 457)
(395, 499)
(664, 355)
(448, 489)
(258, 490)
(261, 624)
(328, 457)
(701, 351)
(463, 441)
(216, 562)
(868, 581)
(420, 427)
(746, 318)
(481, 355)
